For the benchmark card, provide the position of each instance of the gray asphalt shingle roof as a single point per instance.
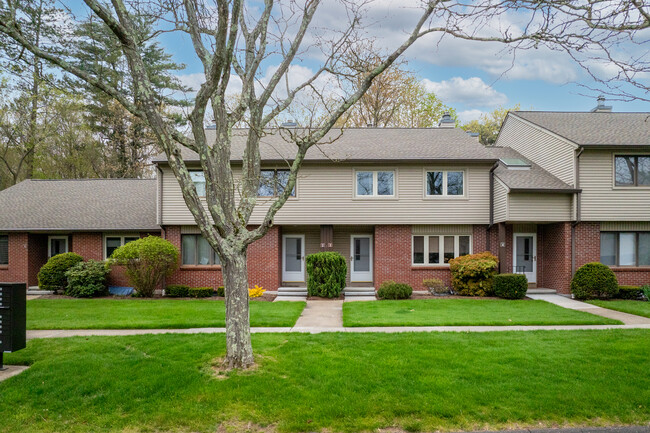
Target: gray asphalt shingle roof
(87, 204)
(359, 144)
(594, 129)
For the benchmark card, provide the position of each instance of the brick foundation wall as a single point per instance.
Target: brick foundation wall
(17, 269)
(554, 249)
(393, 256)
(263, 263)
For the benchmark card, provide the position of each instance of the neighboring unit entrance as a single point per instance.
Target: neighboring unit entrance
(525, 255)
(361, 259)
(293, 258)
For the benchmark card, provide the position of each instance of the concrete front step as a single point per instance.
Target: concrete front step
(541, 291)
(359, 291)
(34, 290)
(292, 291)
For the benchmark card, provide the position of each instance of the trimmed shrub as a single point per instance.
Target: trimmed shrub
(633, 293)
(594, 280)
(87, 279)
(435, 286)
(326, 274)
(177, 291)
(471, 275)
(645, 289)
(52, 274)
(391, 290)
(221, 291)
(147, 261)
(201, 292)
(510, 286)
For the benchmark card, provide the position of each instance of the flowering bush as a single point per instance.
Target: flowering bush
(256, 292)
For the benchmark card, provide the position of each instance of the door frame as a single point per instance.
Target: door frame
(57, 237)
(531, 276)
(284, 260)
(367, 277)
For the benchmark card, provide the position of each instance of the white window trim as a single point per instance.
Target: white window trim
(49, 244)
(275, 170)
(133, 235)
(444, 183)
(197, 235)
(441, 245)
(374, 183)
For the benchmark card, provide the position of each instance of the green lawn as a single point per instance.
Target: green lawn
(640, 308)
(441, 312)
(332, 382)
(150, 313)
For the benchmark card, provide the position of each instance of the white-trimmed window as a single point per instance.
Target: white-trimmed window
(439, 249)
(195, 250)
(632, 170)
(198, 178)
(441, 183)
(111, 243)
(4, 249)
(57, 245)
(273, 183)
(377, 183)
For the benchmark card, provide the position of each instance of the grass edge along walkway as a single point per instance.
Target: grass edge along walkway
(465, 312)
(638, 308)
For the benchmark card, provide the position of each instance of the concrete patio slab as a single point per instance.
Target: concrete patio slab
(11, 371)
(572, 304)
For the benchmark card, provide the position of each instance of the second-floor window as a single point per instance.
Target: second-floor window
(375, 183)
(625, 248)
(198, 177)
(445, 183)
(196, 250)
(632, 170)
(439, 249)
(273, 183)
(4, 250)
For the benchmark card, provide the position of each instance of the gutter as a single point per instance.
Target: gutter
(578, 196)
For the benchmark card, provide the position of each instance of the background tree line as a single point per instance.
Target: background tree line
(56, 128)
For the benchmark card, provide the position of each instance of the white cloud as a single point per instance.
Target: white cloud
(472, 92)
(469, 115)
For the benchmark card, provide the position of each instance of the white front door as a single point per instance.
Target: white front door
(524, 255)
(361, 259)
(293, 258)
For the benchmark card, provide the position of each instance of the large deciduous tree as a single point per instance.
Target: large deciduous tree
(257, 46)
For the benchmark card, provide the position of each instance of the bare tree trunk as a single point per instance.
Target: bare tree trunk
(238, 337)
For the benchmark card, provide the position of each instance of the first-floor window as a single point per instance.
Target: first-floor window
(57, 245)
(197, 251)
(625, 248)
(439, 249)
(4, 250)
(114, 242)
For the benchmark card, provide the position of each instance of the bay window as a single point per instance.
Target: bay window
(439, 249)
(625, 248)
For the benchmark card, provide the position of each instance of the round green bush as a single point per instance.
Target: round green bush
(52, 274)
(87, 279)
(391, 290)
(326, 274)
(510, 286)
(471, 274)
(594, 280)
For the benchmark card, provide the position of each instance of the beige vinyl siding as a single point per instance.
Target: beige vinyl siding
(601, 200)
(625, 226)
(500, 202)
(439, 229)
(539, 207)
(325, 195)
(553, 154)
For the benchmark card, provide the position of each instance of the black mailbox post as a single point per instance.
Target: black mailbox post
(13, 318)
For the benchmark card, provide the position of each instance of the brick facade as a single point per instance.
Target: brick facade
(554, 250)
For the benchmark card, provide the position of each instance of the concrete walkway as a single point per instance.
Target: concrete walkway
(320, 314)
(11, 371)
(572, 304)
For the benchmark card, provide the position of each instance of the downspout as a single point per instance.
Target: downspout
(578, 210)
(487, 241)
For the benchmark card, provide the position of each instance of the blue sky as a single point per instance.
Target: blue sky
(472, 77)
